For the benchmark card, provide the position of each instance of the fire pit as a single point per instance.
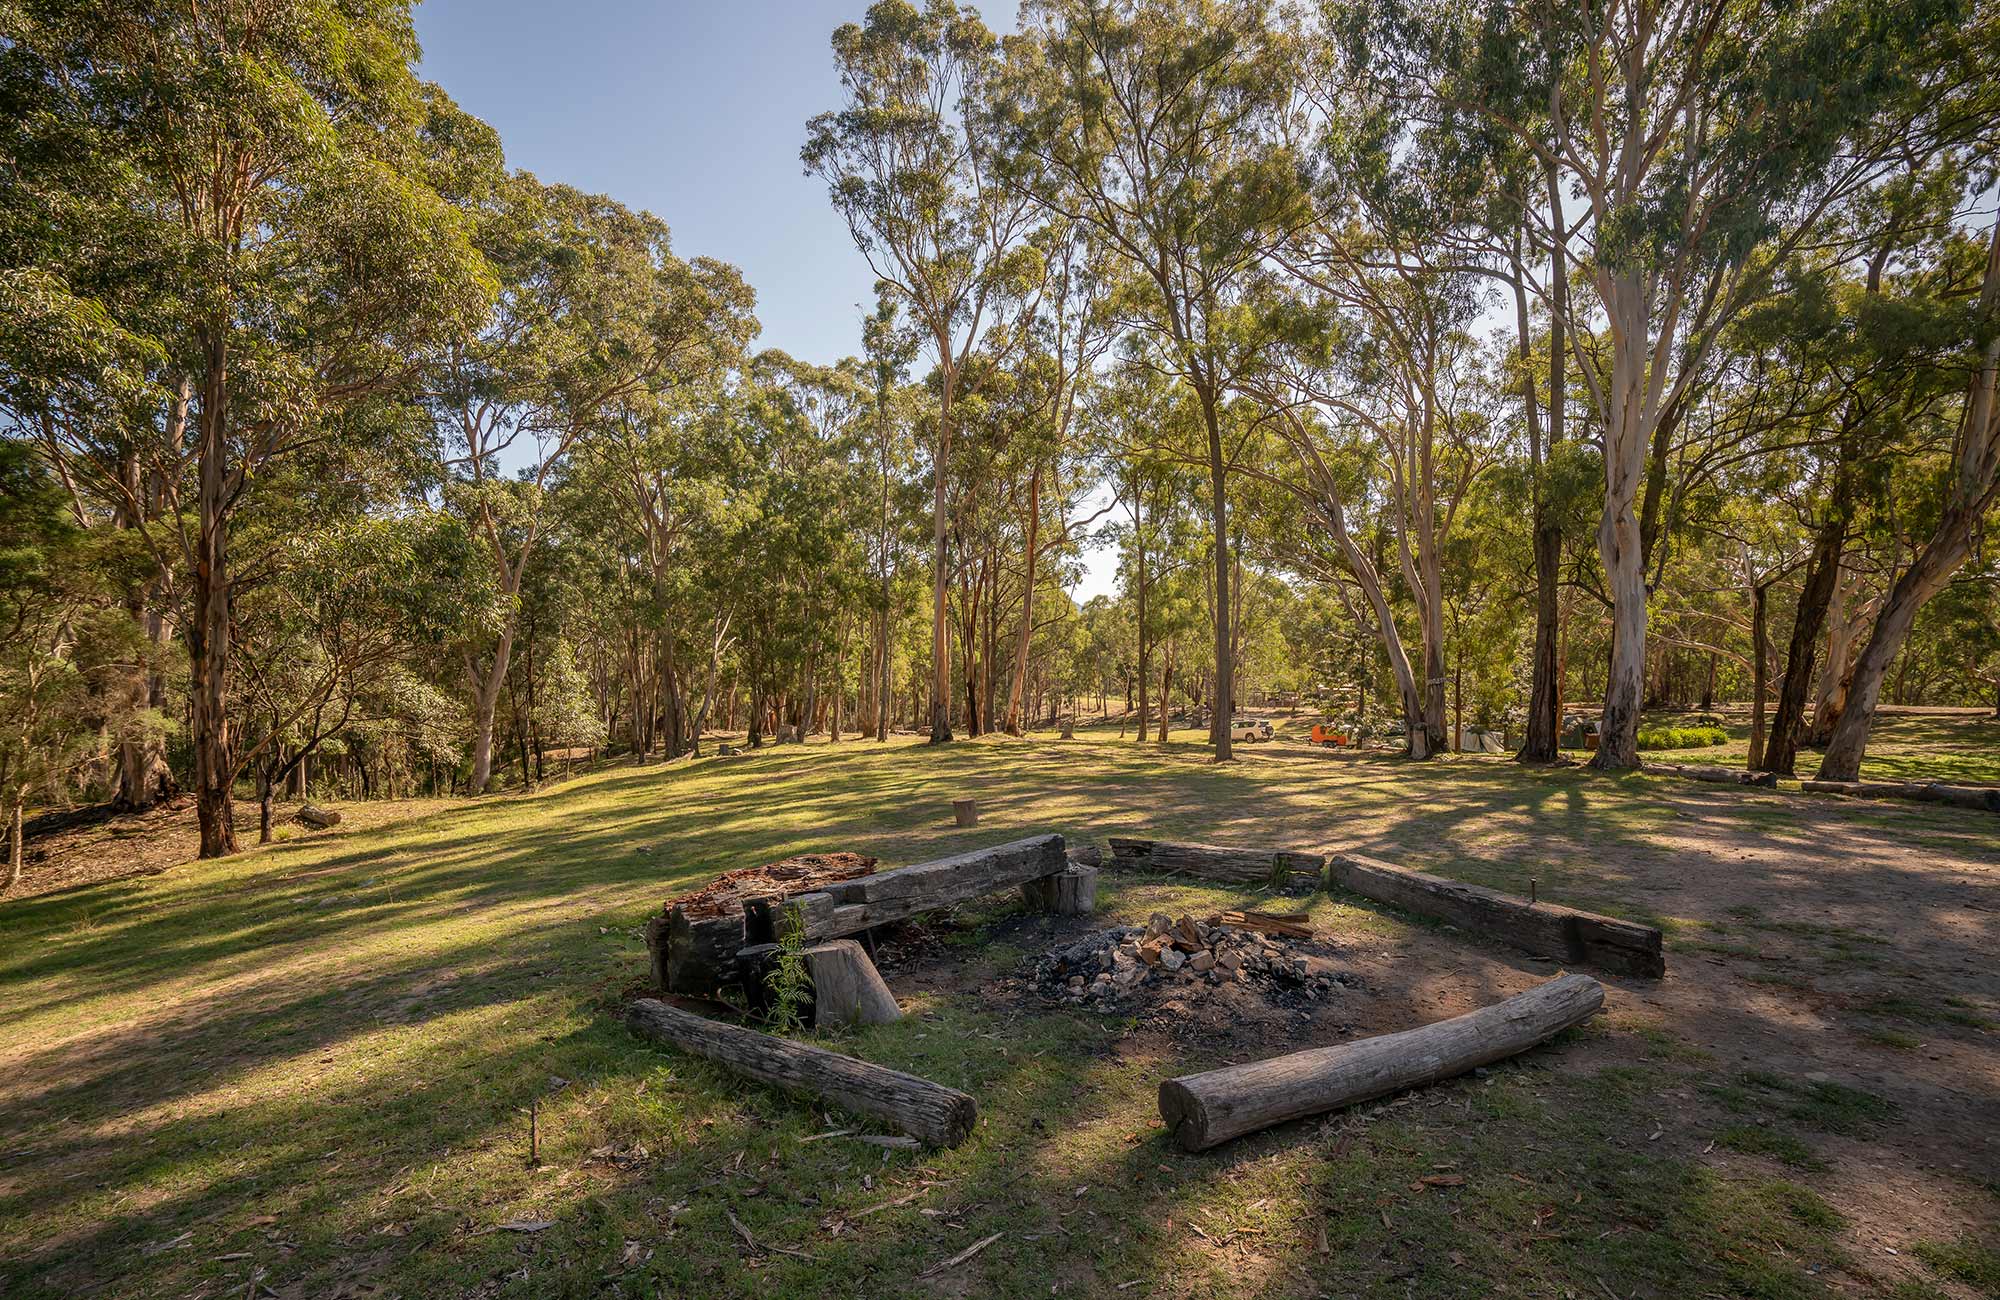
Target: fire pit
(1117, 968)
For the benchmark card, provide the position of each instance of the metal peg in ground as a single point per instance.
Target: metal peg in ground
(965, 811)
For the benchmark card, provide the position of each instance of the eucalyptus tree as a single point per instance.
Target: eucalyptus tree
(51, 587)
(594, 313)
(1161, 127)
(1390, 356)
(351, 594)
(274, 168)
(1686, 200)
(1958, 488)
(889, 349)
(1067, 335)
(914, 180)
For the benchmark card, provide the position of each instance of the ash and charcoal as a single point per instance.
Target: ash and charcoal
(1117, 969)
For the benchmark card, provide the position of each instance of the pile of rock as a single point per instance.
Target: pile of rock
(1116, 965)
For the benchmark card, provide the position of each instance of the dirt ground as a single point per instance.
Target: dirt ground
(1827, 966)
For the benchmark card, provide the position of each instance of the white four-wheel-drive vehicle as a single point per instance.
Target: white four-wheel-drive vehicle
(1249, 729)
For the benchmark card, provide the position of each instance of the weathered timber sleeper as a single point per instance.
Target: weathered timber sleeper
(1214, 862)
(1544, 929)
(930, 1112)
(1205, 1110)
(697, 954)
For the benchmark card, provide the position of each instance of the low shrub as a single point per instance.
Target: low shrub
(1681, 737)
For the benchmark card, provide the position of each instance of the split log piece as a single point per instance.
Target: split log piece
(847, 989)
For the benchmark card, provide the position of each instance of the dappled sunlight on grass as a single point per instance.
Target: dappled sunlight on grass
(318, 1058)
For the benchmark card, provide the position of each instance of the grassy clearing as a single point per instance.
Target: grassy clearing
(312, 1066)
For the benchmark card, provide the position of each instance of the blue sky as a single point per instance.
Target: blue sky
(692, 109)
(695, 111)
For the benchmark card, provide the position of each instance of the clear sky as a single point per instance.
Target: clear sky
(691, 109)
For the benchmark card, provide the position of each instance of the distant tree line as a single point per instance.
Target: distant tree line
(1433, 363)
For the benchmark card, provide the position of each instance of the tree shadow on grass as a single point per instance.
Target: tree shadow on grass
(165, 1067)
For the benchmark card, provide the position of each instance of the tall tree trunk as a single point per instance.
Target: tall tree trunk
(1948, 548)
(940, 569)
(209, 632)
(1145, 650)
(1224, 703)
(264, 808)
(1543, 740)
(486, 700)
(1022, 639)
(1624, 569)
(1975, 482)
(1815, 597)
(1166, 687)
(1844, 617)
(1760, 654)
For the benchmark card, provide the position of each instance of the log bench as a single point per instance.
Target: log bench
(698, 955)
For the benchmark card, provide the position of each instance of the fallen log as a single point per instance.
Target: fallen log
(930, 1112)
(1214, 862)
(1713, 775)
(1544, 929)
(313, 815)
(1205, 1110)
(1979, 797)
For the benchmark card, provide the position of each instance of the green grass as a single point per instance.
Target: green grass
(1964, 1260)
(312, 1067)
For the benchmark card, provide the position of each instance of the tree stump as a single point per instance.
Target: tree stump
(965, 811)
(1070, 892)
(847, 989)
